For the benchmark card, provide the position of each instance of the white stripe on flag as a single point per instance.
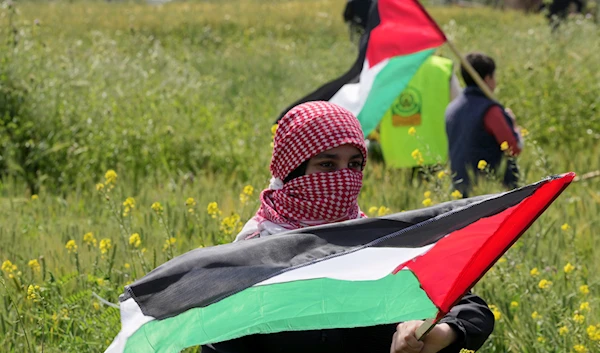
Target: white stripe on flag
(353, 96)
(368, 264)
(132, 319)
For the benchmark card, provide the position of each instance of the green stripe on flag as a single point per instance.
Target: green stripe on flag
(299, 305)
(388, 85)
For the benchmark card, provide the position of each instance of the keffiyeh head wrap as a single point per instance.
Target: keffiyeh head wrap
(304, 132)
(309, 129)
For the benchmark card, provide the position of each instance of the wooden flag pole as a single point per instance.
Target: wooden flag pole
(424, 329)
(589, 175)
(474, 74)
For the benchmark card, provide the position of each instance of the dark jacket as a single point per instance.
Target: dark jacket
(471, 319)
(469, 142)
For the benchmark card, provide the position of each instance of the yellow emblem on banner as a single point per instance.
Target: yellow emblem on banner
(406, 110)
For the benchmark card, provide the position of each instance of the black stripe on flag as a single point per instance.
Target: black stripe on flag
(205, 276)
(328, 90)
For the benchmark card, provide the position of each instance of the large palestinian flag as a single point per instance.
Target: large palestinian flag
(407, 266)
(400, 36)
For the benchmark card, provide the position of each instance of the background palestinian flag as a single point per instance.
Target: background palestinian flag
(400, 36)
(407, 266)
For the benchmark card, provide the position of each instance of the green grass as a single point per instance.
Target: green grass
(179, 100)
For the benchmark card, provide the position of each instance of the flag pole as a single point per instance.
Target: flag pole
(424, 329)
(471, 70)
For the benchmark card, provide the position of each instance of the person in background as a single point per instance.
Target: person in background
(480, 129)
(317, 166)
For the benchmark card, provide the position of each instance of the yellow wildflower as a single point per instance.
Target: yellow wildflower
(504, 146)
(9, 268)
(129, 203)
(213, 210)
(441, 175)
(544, 284)
(568, 268)
(412, 131)
(585, 306)
(563, 330)
(157, 207)
(524, 132)
(373, 210)
(456, 194)
(229, 224)
(65, 313)
(416, 155)
(127, 266)
(143, 250)
(502, 260)
(248, 190)
(34, 197)
(534, 272)
(96, 305)
(71, 246)
(135, 240)
(99, 186)
(246, 193)
(190, 202)
(89, 239)
(110, 176)
(169, 243)
(105, 245)
(584, 289)
(565, 227)
(495, 311)
(535, 315)
(427, 194)
(34, 265)
(382, 211)
(579, 348)
(578, 318)
(514, 304)
(541, 339)
(100, 281)
(481, 165)
(244, 198)
(273, 131)
(427, 202)
(33, 293)
(593, 332)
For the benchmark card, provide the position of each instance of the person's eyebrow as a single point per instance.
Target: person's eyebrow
(358, 155)
(325, 155)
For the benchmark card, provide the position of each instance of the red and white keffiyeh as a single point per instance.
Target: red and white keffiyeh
(319, 198)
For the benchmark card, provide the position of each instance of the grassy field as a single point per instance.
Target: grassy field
(178, 101)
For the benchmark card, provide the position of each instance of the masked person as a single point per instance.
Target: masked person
(317, 167)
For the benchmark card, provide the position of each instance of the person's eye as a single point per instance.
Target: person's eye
(326, 164)
(355, 165)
